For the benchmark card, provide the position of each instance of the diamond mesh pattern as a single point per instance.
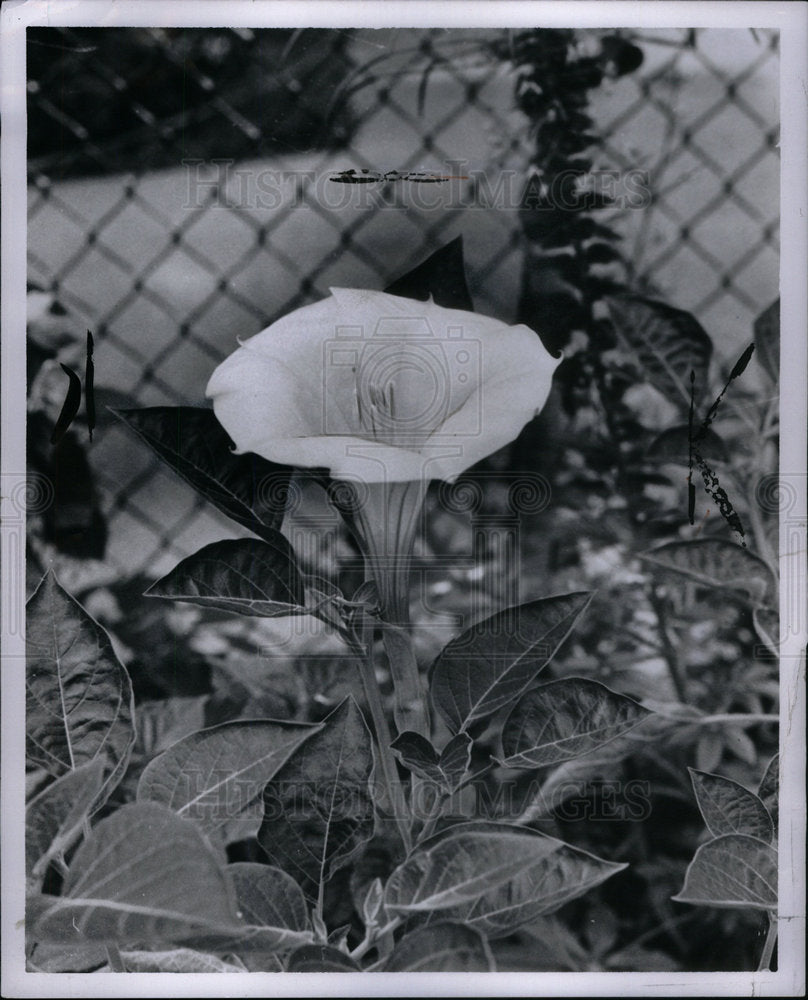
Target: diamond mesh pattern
(168, 264)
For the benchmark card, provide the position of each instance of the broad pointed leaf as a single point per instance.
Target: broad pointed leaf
(728, 807)
(442, 276)
(568, 787)
(418, 755)
(272, 908)
(177, 960)
(441, 947)
(461, 870)
(54, 817)
(538, 890)
(249, 940)
(769, 788)
(373, 902)
(455, 759)
(668, 344)
(565, 719)
(719, 564)
(493, 662)
(144, 874)
(64, 958)
(320, 958)
(212, 777)
(79, 702)
(270, 899)
(732, 871)
(192, 442)
(318, 810)
(249, 577)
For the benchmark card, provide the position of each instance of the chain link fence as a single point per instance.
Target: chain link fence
(187, 187)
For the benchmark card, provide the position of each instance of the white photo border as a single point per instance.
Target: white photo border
(792, 21)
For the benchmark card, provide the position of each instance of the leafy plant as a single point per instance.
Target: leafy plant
(312, 799)
(517, 798)
(738, 867)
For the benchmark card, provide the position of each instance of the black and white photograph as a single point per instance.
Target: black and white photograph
(403, 498)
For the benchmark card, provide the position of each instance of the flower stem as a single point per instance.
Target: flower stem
(383, 518)
(677, 673)
(383, 737)
(409, 706)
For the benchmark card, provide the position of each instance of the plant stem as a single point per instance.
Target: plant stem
(383, 738)
(768, 945)
(383, 519)
(677, 675)
(410, 705)
(372, 935)
(114, 958)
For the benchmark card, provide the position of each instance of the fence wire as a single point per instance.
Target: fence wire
(181, 196)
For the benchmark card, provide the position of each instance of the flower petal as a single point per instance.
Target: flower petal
(381, 388)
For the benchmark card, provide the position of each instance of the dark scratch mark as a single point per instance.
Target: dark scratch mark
(70, 407)
(365, 176)
(711, 484)
(89, 377)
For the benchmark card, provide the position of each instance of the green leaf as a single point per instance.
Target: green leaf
(541, 890)
(441, 276)
(668, 344)
(709, 750)
(273, 908)
(769, 789)
(177, 960)
(732, 871)
(492, 876)
(143, 874)
(446, 770)
(268, 897)
(492, 663)
(372, 903)
(418, 755)
(767, 340)
(718, 564)
(64, 958)
(320, 958)
(566, 719)
(213, 777)
(318, 809)
(79, 702)
(256, 578)
(441, 947)
(728, 807)
(54, 817)
(455, 759)
(568, 785)
(192, 442)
